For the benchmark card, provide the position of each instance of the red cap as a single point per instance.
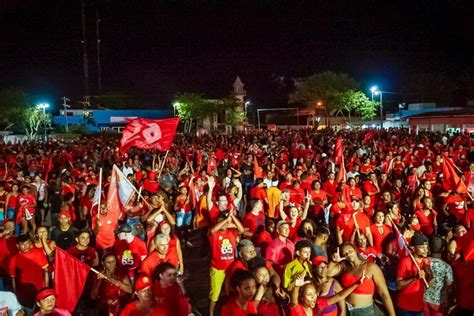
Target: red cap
(44, 293)
(142, 283)
(318, 260)
(65, 213)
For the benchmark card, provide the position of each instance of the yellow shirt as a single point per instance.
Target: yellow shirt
(292, 271)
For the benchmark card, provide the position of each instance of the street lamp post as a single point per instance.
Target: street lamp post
(44, 106)
(376, 91)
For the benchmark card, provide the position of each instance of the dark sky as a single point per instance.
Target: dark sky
(154, 49)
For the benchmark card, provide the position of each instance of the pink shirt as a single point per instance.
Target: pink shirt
(280, 253)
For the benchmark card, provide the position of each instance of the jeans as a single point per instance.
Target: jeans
(402, 312)
(183, 218)
(368, 310)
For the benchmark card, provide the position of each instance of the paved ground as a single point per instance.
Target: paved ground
(197, 268)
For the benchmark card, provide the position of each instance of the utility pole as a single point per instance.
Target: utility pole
(99, 72)
(84, 50)
(66, 106)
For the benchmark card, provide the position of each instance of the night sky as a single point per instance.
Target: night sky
(154, 49)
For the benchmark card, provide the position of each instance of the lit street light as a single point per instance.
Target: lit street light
(175, 105)
(375, 91)
(44, 106)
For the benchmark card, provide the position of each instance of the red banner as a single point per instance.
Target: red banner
(70, 276)
(257, 173)
(149, 134)
(338, 151)
(451, 180)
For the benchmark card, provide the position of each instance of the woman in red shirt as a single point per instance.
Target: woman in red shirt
(427, 218)
(379, 230)
(245, 285)
(111, 287)
(11, 201)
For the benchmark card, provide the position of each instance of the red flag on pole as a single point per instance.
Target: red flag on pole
(369, 136)
(149, 134)
(338, 151)
(257, 173)
(211, 164)
(70, 276)
(342, 175)
(119, 194)
(48, 169)
(451, 180)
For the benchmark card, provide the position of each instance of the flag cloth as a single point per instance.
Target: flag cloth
(119, 194)
(257, 173)
(211, 164)
(70, 276)
(148, 134)
(369, 136)
(342, 175)
(98, 192)
(338, 150)
(466, 243)
(48, 168)
(451, 180)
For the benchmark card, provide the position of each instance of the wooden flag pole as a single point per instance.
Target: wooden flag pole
(409, 252)
(163, 164)
(100, 193)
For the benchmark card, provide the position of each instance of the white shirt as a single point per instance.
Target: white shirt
(9, 303)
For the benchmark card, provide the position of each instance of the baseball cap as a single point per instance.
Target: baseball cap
(44, 293)
(419, 240)
(142, 283)
(124, 228)
(65, 213)
(318, 260)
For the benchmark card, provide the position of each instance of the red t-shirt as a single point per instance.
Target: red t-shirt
(231, 308)
(87, 255)
(410, 298)
(258, 193)
(105, 237)
(153, 260)
(129, 254)
(464, 279)
(8, 249)
(426, 222)
(151, 185)
(28, 269)
(170, 299)
(253, 222)
(456, 206)
(223, 245)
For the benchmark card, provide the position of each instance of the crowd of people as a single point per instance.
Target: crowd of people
(288, 228)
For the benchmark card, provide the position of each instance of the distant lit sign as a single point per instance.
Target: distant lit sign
(121, 119)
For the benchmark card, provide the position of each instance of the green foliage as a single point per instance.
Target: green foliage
(13, 103)
(355, 101)
(192, 107)
(323, 87)
(34, 119)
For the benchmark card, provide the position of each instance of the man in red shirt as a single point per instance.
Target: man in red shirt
(410, 280)
(371, 188)
(145, 305)
(258, 191)
(215, 209)
(29, 271)
(162, 253)
(255, 219)
(222, 238)
(150, 184)
(129, 249)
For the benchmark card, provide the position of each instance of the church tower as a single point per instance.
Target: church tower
(239, 93)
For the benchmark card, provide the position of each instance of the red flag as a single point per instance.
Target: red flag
(148, 134)
(211, 164)
(257, 173)
(70, 276)
(338, 150)
(369, 136)
(119, 194)
(451, 180)
(466, 243)
(48, 169)
(342, 175)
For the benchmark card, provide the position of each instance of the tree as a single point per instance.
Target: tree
(192, 107)
(355, 101)
(33, 119)
(323, 87)
(13, 103)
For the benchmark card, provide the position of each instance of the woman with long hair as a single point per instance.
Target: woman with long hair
(350, 266)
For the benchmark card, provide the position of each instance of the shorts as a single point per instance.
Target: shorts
(368, 310)
(217, 280)
(183, 219)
